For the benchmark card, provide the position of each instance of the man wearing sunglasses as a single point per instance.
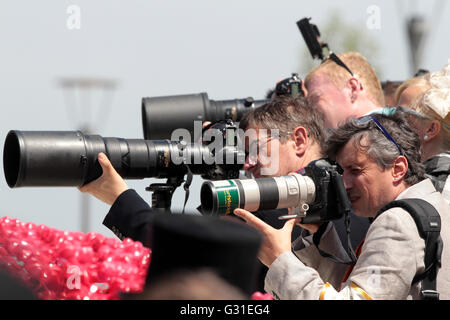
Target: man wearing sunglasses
(381, 161)
(344, 87)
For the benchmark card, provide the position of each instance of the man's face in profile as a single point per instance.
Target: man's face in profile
(266, 156)
(367, 184)
(328, 99)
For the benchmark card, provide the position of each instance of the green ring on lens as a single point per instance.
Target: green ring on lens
(227, 198)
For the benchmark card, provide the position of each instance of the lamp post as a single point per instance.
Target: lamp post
(419, 29)
(417, 32)
(81, 115)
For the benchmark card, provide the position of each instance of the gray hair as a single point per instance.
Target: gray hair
(286, 113)
(370, 139)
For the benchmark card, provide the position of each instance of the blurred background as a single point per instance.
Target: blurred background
(80, 64)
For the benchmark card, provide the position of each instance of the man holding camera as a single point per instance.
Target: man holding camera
(298, 137)
(344, 87)
(380, 158)
(297, 140)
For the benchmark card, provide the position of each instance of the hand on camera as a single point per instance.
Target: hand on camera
(312, 228)
(205, 124)
(275, 242)
(109, 185)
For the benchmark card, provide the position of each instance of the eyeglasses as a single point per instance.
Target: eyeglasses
(367, 119)
(256, 146)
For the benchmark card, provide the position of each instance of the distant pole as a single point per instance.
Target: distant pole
(84, 122)
(419, 29)
(417, 32)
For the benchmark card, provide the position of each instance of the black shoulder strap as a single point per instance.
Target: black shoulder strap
(428, 223)
(344, 206)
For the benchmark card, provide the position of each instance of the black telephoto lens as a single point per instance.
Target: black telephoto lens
(69, 158)
(163, 115)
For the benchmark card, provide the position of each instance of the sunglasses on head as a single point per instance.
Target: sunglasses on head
(367, 119)
(341, 63)
(390, 111)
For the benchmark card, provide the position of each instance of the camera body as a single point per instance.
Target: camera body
(311, 35)
(329, 191)
(291, 86)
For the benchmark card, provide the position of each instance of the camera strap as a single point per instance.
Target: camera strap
(345, 207)
(350, 252)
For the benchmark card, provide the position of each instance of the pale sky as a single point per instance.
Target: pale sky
(229, 49)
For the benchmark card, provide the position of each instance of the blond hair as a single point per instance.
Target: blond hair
(361, 69)
(422, 81)
(422, 106)
(435, 102)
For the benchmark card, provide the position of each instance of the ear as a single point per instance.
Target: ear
(399, 169)
(432, 129)
(300, 138)
(354, 87)
(305, 91)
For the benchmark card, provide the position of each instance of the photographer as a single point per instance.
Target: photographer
(298, 141)
(380, 158)
(346, 91)
(129, 213)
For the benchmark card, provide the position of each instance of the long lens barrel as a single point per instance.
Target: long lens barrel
(69, 158)
(222, 197)
(162, 115)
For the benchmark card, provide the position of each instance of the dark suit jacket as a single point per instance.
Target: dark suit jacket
(130, 217)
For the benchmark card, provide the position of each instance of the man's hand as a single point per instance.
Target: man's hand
(312, 228)
(205, 124)
(276, 241)
(109, 185)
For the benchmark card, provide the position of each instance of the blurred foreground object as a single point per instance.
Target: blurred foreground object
(64, 265)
